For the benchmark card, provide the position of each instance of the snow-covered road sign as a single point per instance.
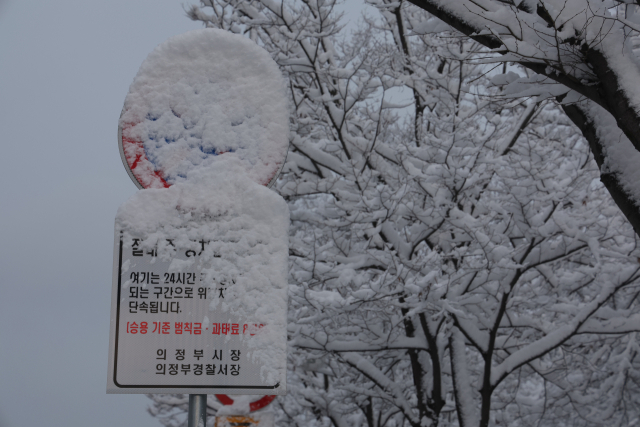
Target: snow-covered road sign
(199, 96)
(166, 338)
(199, 293)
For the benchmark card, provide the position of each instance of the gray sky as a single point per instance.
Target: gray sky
(65, 68)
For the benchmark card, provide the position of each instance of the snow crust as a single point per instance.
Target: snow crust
(246, 227)
(200, 97)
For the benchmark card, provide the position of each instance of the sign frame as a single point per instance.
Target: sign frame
(116, 387)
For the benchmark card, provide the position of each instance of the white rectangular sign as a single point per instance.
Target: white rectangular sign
(169, 335)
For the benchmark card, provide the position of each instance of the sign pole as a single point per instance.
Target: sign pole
(197, 410)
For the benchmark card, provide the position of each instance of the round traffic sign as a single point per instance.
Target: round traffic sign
(253, 406)
(201, 97)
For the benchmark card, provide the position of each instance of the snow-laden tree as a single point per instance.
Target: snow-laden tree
(582, 51)
(455, 260)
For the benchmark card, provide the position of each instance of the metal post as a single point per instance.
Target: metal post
(197, 410)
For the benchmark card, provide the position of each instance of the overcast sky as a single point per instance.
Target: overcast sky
(65, 68)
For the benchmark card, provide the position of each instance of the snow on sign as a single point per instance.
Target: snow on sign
(199, 293)
(199, 96)
(200, 289)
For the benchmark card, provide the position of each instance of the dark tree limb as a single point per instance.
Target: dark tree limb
(611, 180)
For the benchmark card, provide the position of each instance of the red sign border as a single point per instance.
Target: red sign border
(253, 406)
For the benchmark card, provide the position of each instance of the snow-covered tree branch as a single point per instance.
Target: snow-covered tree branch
(589, 49)
(454, 258)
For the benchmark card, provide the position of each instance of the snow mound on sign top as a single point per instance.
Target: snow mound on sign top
(201, 97)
